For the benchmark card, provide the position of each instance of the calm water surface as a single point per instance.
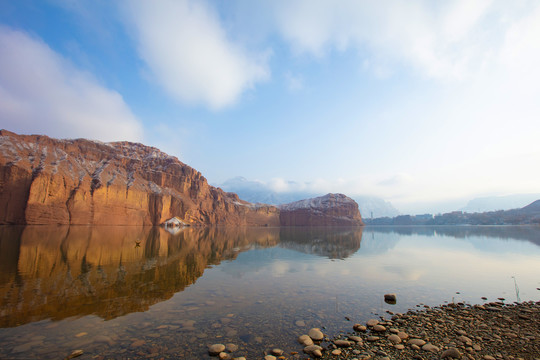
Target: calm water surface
(134, 292)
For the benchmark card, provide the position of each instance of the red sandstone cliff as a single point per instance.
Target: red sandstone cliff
(50, 181)
(328, 210)
(83, 182)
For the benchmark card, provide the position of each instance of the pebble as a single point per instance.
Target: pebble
(311, 348)
(270, 357)
(316, 334)
(394, 338)
(430, 348)
(137, 343)
(379, 328)
(451, 353)
(417, 342)
(223, 356)
(305, 340)
(373, 338)
(81, 334)
(231, 347)
(277, 352)
(215, 349)
(342, 343)
(403, 335)
(300, 323)
(355, 338)
(400, 346)
(75, 353)
(372, 322)
(359, 327)
(336, 352)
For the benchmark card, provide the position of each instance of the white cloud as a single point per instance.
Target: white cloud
(448, 40)
(41, 92)
(189, 53)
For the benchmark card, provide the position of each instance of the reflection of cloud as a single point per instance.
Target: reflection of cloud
(403, 272)
(280, 268)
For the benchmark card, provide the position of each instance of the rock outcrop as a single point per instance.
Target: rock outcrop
(50, 181)
(328, 210)
(82, 182)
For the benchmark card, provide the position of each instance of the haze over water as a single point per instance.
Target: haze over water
(138, 291)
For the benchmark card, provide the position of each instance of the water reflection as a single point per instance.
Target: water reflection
(334, 243)
(58, 272)
(179, 292)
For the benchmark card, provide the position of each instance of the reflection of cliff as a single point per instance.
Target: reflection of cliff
(529, 233)
(58, 272)
(335, 243)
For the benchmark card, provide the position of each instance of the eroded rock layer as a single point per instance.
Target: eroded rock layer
(50, 181)
(328, 210)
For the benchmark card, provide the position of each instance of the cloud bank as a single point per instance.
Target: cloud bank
(190, 55)
(42, 92)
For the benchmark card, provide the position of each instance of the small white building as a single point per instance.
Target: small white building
(175, 222)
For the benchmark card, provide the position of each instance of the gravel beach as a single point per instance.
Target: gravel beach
(490, 332)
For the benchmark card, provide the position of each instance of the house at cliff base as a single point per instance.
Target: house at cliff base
(175, 222)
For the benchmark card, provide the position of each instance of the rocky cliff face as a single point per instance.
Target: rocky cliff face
(83, 182)
(50, 181)
(328, 210)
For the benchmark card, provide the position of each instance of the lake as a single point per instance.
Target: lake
(142, 292)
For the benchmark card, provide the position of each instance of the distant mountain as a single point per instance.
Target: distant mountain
(260, 192)
(494, 203)
(527, 215)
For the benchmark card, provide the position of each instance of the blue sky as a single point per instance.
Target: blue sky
(425, 104)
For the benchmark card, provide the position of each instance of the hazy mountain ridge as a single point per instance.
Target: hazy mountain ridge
(495, 203)
(261, 192)
(527, 215)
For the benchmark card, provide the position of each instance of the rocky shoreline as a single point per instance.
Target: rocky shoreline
(492, 331)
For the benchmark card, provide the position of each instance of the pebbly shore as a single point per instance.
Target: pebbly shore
(490, 332)
(493, 331)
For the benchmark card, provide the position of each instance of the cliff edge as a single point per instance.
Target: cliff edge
(83, 182)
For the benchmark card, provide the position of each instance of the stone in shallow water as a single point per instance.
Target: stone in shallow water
(359, 327)
(300, 323)
(231, 347)
(311, 348)
(215, 349)
(372, 322)
(305, 340)
(390, 298)
(316, 334)
(277, 352)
